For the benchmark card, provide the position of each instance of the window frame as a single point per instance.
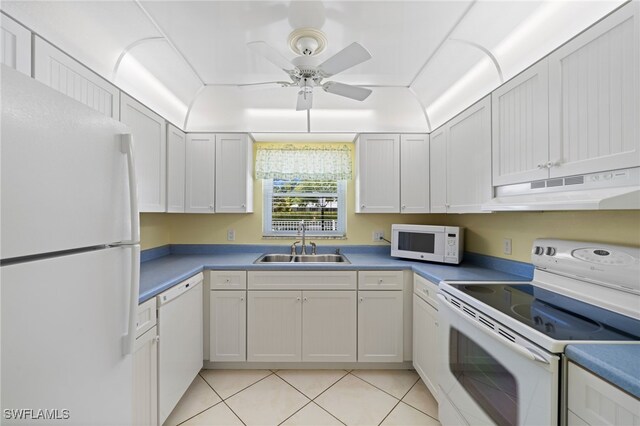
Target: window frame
(267, 213)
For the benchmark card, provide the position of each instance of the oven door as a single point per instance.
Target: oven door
(486, 378)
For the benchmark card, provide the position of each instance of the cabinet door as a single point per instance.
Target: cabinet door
(414, 173)
(380, 326)
(149, 132)
(329, 326)
(469, 159)
(234, 174)
(15, 43)
(274, 320)
(228, 322)
(425, 349)
(520, 127)
(378, 173)
(59, 71)
(176, 151)
(200, 173)
(145, 379)
(594, 90)
(438, 169)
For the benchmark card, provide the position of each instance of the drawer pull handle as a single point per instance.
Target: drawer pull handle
(380, 281)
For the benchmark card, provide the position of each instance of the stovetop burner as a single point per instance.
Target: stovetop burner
(556, 316)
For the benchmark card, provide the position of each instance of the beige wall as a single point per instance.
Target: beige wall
(484, 232)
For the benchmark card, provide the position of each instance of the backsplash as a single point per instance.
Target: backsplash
(484, 232)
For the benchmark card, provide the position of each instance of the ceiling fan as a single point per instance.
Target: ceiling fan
(306, 72)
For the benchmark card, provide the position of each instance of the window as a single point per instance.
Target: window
(304, 182)
(320, 203)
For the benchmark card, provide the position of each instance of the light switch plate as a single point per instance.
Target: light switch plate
(506, 245)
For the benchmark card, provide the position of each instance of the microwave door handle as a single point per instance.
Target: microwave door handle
(511, 345)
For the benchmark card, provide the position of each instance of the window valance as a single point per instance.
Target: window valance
(306, 162)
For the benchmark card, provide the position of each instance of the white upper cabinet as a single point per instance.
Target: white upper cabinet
(200, 173)
(176, 151)
(15, 42)
(414, 173)
(520, 127)
(61, 72)
(234, 174)
(378, 173)
(461, 161)
(149, 132)
(469, 159)
(594, 89)
(438, 169)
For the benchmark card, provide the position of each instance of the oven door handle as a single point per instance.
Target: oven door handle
(526, 352)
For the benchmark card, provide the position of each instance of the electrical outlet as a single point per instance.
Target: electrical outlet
(378, 235)
(231, 234)
(506, 245)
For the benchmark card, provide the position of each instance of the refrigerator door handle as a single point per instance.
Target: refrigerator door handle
(127, 148)
(128, 340)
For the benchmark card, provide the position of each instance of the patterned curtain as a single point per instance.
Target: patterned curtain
(306, 162)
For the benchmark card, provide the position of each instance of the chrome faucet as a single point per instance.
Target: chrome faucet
(302, 227)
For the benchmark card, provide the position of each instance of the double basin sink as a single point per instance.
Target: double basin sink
(302, 258)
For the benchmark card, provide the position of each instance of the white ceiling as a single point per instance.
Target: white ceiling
(185, 58)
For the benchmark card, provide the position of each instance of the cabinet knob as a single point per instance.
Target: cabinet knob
(298, 299)
(305, 299)
(362, 206)
(447, 205)
(157, 339)
(243, 206)
(361, 299)
(380, 281)
(227, 281)
(242, 299)
(210, 206)
(404, 207)
(541, 166)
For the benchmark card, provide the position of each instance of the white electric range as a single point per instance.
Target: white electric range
(501, 344)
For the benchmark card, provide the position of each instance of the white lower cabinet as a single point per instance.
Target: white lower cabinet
(145, 366)
(274, 322)
(329, 326)
(380, 326)
(227, 325)
(425, 333)
(593, 401)
(145, 379)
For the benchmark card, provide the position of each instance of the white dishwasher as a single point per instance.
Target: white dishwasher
(180, 352)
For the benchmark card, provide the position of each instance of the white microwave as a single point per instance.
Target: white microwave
(442, 244)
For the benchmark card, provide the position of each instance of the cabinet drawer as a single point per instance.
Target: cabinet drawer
(380, 280)
(302, 280)
(227, 280)
(599, 403)
(426, 290)
(146, 317)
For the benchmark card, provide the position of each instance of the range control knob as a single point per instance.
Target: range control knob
(551, 251)
(538, 250)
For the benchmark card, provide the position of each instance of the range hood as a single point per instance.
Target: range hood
(612, 190)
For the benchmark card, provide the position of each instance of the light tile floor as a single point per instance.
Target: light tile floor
(306, 397)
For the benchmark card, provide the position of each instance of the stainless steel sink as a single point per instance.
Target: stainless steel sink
(302, 258)
(321, 258)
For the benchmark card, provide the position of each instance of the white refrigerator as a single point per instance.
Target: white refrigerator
(70, 260)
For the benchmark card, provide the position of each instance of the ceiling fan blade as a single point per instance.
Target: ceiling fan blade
(348, 57)
(305, 100)
(346, 90)
(263, 85)
(271, 54)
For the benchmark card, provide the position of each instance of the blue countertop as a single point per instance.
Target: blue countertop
(180, 262)
(617, 364)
